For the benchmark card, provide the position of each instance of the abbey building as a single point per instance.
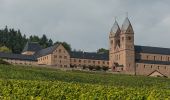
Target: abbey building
(123, 57)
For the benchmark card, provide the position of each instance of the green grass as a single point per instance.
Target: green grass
(33, 73)
(26, 82)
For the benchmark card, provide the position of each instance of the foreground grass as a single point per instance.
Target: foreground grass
(57, 90)
(25, 82)
(32, 73)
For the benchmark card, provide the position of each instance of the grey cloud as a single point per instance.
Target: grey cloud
(85, 24)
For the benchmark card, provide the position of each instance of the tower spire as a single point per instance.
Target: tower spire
(115, 28)
(126, 25)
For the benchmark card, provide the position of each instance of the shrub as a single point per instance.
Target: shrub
(105, 68)
(4, 62)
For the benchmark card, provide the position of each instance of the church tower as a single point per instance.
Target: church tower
(114, 40)
(127, 47)
(121, 53)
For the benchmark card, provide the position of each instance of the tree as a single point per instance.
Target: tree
(44, 41)
(50, 42)
(91, 67)
(102, 50)
(97, 67)
(105, 68)
(34, 38)
(5, 49)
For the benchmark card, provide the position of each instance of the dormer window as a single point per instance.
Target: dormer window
(111, 41)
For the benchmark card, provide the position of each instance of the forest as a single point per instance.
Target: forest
(15, 41)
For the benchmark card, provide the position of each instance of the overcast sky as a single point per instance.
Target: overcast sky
(85, 24)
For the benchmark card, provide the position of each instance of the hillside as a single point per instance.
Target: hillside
(25, 82)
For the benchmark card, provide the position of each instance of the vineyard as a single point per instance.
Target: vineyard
(30, 83)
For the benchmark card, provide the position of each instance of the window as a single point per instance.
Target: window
(60, 56)
(89, 61)
(147, 57)
(144, 66)
(84, 61)
(154, 58)
(93, 62)
(80, 61)
(129, 38)
(122, 38)
(103, 62)
(98, 62)
(165, 67)
(111, 42)
(55, 56)
(74, 60)
(151, 66)
(158, 67)
(161, 58)
(59, 50)
(65, 57)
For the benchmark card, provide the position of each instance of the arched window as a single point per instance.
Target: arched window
(129, 38)
(154, 58)
(147, 57)
(111, 42)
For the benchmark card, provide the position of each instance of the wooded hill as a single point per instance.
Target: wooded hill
(15, 40)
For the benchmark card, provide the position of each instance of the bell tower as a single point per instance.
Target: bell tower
(114, 41)
(127, 47)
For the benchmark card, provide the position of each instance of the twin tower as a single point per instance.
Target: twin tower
(121, 51)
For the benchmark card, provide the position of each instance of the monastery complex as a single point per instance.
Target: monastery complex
(124, 56)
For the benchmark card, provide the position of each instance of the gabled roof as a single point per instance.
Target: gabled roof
(32, 46)
(46, 51)
(125, 24)
(152, 50)
(115, 29)
(17, 56)
(89, 55)
(157, 72)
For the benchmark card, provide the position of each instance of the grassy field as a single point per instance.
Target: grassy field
(25, 82)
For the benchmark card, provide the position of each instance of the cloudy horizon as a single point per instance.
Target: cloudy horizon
(85, 24)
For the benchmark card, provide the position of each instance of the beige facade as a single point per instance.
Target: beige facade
(20, 62)
(59, 58)
(88, 62)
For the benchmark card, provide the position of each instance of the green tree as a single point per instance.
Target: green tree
(50, 42)
(105, 68)
(44, 41)
(102, 50)
(34, 38)
(5, 49)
